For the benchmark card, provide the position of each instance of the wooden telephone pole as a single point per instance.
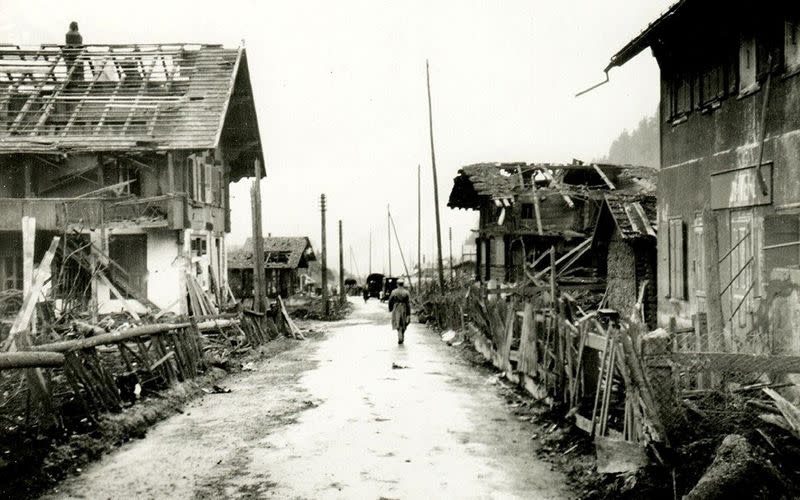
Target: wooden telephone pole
(341, 266)
(419, 227)
(324, 259)
(435, 182)
(450, 239)
(389, 236)
(259, 279)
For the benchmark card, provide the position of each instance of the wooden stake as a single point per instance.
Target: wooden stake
(435, 181)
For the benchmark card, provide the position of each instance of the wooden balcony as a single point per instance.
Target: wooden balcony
(174, 211)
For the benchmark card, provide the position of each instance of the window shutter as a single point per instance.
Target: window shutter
(677, 265)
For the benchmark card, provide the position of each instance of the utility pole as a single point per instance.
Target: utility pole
(435, 182)
(419, 227)
(370, 252)
(259, 280)
(400, 248)
(324, 260)
(450, 238)
(341, 266)
(389, 235)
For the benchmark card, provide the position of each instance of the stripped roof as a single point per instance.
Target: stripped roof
(635, 216)
(502, 182)
(123, 98)
(279, 253)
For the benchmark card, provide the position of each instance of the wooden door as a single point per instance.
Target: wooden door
(742, 276)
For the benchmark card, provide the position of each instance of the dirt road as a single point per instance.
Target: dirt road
(332, 418)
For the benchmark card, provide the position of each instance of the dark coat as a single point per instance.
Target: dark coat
(400, 306)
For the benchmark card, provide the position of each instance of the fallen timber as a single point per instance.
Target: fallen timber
(130, 333)
(25, 359)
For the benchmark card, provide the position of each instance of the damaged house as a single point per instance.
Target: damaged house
(126, 151)
(598, 218)
(286, 263)
(729, 186)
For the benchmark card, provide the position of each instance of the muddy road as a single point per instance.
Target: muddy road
(332, 418)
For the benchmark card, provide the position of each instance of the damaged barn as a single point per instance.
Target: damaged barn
(599, 219)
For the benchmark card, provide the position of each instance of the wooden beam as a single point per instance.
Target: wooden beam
(699, 362)
(603, 176)
(28, 239)
(34, 95)
(30, 299)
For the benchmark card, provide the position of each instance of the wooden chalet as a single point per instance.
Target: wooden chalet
(729, 185)
(130, 148)
(286, 263)
(598, 218)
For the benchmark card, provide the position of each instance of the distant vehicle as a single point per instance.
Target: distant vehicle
(373, 286)
(389, 284)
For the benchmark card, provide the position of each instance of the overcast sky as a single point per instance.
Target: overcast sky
(340, 92)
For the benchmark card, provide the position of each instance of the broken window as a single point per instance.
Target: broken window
(129, 251)
(527, 211)
(791, 45)
(279, 257)
(747, 64)
(677, 260)
(11, 272)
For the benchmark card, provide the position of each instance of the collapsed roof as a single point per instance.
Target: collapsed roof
(500, 183)
(279, 253)
(105, 98)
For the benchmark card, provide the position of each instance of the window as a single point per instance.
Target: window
(527, 211)
(680, 95)
(747, 64)
(677, 260)
(791, 45)
(712, 84)
(781, 242)
(197, 174)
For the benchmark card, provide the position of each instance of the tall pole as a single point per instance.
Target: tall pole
(419, 227)
(450, 238)
(324, 261)
(341, 265)
(400, 248)
(435, 182)
(370, 251)
(259, 280)
(389, 235)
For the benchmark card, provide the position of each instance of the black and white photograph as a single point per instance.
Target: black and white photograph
(399, 250)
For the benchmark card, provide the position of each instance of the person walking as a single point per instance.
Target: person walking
(400, 307)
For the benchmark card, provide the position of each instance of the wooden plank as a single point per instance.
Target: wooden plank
(527, 342)
(28, 239)
(25, 314)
